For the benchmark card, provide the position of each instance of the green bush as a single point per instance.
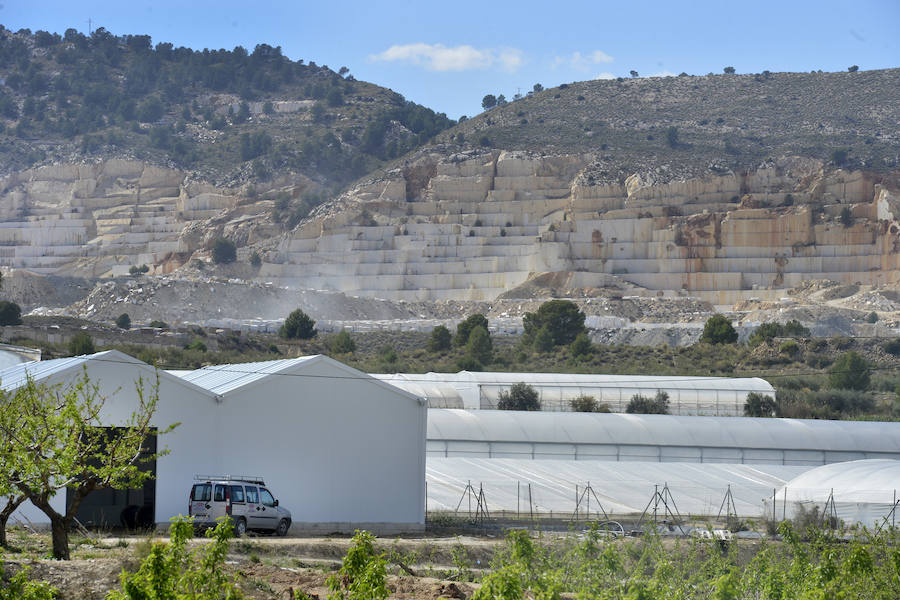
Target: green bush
(10, 313)
(255, 260)
(585, 403)
(718, 330)
(80, 344)
(658, 405)
(363, 572)
(465, 328)
(760, 405)
(849, 372)
(562, 317)
(178, 571)
(892, 347)
(343, 343)
(123, 321)
(20, 587)
(298, 325)
(520, 396)
(158, 324)
(581, 347)
(480, 346)
(439, 340)
(223, 251)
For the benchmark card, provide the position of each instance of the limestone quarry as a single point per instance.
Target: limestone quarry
(445, 235)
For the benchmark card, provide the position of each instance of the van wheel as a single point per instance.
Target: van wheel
(240, 527)
(282, 528)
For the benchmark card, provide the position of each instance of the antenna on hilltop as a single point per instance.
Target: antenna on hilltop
(90, 32)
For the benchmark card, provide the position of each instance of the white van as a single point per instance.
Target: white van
(245, 499)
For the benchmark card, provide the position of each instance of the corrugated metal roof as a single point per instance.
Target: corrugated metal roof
(15, 376)
(222, 379)
(662, 430)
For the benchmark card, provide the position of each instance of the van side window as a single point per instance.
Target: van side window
(220, 493)
(202, 492)
(237, 493)
(252, 496)
(266, 497)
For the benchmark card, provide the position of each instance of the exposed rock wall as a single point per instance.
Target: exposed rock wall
(100, 219)
(486, 223)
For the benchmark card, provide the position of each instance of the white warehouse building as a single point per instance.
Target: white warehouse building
(706, 396)
(341, 450)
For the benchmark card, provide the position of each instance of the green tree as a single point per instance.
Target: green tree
(658, 405)
(729, 70)
(849, 372)
(81, 344)
(543, 339)
(562, 317)
(479, 345)
(343, 343)
(10, 313)
(175, 571)
(158, 324)
(223, 251)
(520, 396)
(363, 572)
(846, 216)
(853, 68)
(581, 346)
(760, 405)
(123, 321)
(489, 102)
(255, 260)
(298, 325)
(718, 330)
(59, 442)
(465, 328)
(439, 340)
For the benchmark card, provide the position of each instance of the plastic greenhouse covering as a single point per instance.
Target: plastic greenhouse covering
(860, 491)
(656, 438)
(722, 396)
(553, 488)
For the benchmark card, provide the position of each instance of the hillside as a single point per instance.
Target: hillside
(231, 117)
(723, 191)
(689, 126)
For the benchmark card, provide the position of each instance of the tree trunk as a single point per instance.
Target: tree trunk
(59, 527)
(12, 503)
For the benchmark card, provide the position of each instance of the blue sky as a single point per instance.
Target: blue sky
(448, 55)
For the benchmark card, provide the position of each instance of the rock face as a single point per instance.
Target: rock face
(97, 220)
(481, 224)
(475, 226)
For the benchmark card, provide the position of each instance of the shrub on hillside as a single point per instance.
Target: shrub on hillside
(849, 372)
(585, 403)
(123, 321)
(562, 317)
(465, 328)
(760, 405)
(223, 251)
(10, 313)
(81, 343)
(439, 340)
(298, 325)
(343, 343)
(718, 330)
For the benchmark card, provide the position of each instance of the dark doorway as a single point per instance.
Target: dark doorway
(130, 508)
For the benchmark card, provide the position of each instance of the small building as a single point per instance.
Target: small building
(340, 449)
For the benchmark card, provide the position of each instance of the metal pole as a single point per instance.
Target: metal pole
(588, 492)
(655, 501)
(576, 501)
(894, 511)
(517, 498)
(774, 504)
(784, 506)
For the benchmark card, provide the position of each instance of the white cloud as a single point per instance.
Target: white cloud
(663, 73)
(605, 75)
(583, 62)
(437, 57)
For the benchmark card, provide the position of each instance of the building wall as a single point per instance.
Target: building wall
(193, 445)
(338, 452)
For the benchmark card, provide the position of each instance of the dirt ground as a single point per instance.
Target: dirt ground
(264, 567)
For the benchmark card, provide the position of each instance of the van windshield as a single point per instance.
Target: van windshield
(202, 492)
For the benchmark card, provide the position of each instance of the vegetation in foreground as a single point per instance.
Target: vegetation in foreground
(809, 562)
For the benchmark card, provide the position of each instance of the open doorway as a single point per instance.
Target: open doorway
(133, 508)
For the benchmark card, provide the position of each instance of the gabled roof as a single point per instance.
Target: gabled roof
(15, 376)
(229, 378)
(222, 379)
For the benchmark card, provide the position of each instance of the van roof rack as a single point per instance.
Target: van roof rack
(248, 478)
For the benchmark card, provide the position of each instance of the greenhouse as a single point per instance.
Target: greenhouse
(710, 396)
(522, 488)
(860, 491)
(656, 438)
